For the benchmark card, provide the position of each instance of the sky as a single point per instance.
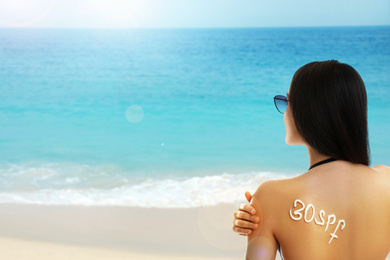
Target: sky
(192, 13)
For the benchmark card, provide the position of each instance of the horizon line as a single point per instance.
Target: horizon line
(195, 27)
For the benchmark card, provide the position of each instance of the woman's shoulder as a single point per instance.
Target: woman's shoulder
(270, 201)
(383, 178)
(275, 187)
(383, 169)
(273, 193)
(382, 173)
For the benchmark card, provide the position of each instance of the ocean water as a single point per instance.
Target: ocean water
(164, 117)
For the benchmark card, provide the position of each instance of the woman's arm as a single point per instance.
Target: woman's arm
(262, 243)
(245, 218)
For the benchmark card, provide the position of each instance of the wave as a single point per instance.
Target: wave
(46, 188)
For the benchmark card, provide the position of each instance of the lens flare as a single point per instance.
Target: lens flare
(134, 114)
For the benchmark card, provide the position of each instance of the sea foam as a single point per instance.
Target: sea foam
(100, 186)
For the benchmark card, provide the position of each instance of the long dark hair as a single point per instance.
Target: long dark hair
(329, 105)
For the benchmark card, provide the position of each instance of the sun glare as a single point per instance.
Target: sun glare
(115, 13)
(23, 12)
(16, 5)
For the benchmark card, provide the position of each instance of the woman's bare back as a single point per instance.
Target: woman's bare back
(337, 211)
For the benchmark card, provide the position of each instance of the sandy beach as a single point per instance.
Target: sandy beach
(33, 232)
(76, 232)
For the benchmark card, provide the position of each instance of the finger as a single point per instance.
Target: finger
(248, 208)
(246, 216)
(242, 231)
(248, 196)
(245, 224)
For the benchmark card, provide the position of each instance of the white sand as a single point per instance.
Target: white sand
(71, 232)
(35, 250)
(29, 232)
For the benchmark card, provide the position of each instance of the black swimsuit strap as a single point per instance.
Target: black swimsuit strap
(322, 162)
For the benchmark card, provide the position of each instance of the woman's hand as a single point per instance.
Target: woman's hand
(245, 219)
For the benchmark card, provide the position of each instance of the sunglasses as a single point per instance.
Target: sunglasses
(280, 103)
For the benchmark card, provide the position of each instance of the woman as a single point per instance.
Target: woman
(340, 207)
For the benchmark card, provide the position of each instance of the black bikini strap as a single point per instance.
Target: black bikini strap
(322, 162)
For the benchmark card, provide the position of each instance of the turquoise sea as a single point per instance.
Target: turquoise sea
(164, 117)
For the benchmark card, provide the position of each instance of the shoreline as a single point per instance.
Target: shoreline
(83, 232)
